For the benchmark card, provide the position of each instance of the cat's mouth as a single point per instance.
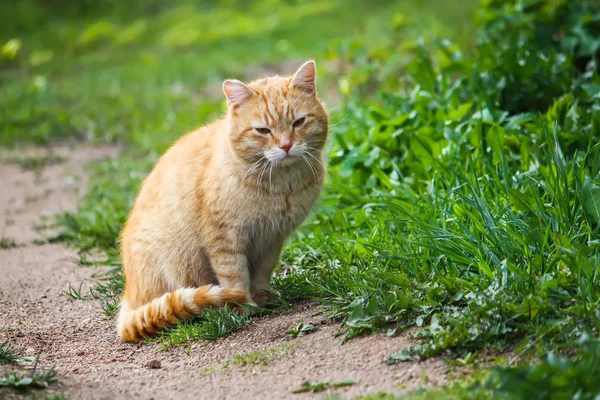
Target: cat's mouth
(287, 159)
(281, 157)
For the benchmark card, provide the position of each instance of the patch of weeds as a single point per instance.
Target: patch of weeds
(36, 380)
(110, 307)
(20, 380)
(47, 223)
(316, 387)
(76, 293)
(35, 198)
(6, 243)
(9, 354)
(261, 357)
(212, 324)
(555, 377)
(415, 353)
(37, 163)
(207, 370)
(300, 330)
(108, 289)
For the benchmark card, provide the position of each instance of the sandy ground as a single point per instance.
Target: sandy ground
(75, 337)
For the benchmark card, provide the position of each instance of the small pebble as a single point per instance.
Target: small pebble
(154, 364)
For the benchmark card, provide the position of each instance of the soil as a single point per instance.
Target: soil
(76, 338)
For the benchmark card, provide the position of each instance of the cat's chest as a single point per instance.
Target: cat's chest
(281, 209)
(275, 210)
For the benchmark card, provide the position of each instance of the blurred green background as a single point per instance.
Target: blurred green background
(144, 72)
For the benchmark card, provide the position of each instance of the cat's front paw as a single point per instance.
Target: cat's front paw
(262, 297)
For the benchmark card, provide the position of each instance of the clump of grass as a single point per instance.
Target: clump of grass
(76, 293)
(36, 380)
(21, 380)
(9, 354)
(212, 324)
(107, 289)
(34, 198)
(316, 387)
(300, 330)
(556, 376)
(261, 357)
(7, 243)
(37, 163)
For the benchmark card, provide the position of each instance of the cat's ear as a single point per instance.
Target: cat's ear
(236, 92)
(305, 77)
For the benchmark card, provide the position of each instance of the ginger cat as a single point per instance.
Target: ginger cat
(210, 220)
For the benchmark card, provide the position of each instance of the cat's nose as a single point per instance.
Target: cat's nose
(286, 146)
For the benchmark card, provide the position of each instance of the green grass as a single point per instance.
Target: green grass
(464, 189)
(212, 324)
(261, 358)
(7, 243)
(554, 377)
(316, 387)
(19, 380)
(36, 163)
(9, 354)
(300, 330)
(255, 358)
(23, 382)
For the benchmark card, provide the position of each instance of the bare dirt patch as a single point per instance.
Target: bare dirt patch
(76, 337)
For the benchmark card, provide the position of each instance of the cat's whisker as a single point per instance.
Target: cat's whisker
(318, 160)
(262, 172)
(316, 142)
(318, 151)
(270, 173)
(341, 120)
(314, 171)
(253, 167)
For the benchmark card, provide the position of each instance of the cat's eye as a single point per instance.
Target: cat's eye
(264, 131)
(299, 122)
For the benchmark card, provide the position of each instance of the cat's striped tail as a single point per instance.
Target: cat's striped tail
(136, 324)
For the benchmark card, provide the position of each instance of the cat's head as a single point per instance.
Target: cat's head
(277, 119)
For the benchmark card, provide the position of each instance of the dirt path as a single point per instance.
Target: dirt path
(74, 336)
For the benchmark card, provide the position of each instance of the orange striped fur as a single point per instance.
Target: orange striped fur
(211, 218)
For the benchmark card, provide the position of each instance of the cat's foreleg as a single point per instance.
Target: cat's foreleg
(232, 270)
(262, 268)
